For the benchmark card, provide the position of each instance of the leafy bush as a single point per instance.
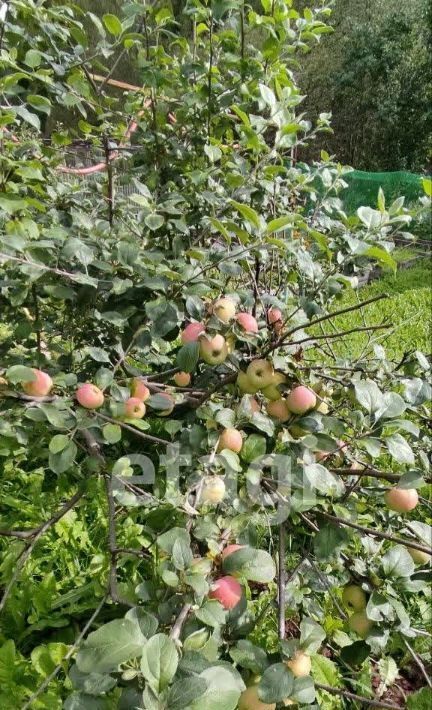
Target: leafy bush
(171, 460)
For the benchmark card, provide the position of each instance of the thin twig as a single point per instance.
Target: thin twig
(137, 432)
(26, 534)
(178, 625)
(419, 662)
(359, 698)
(281, 582)
(68, 655)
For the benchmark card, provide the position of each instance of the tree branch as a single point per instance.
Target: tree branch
(178, 625)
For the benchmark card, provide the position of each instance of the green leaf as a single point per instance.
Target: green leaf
(397, 562)
(12, 203)
(83, 701)
(62, 461)
(181, 554)
(254, 565)
(28, 117)
(19, 373)
(167, 540)
(58, 443)
(267, 95)
(304, 690)
(248, 213)
(32, 58)
(113, 24)
(91, 683)
(211, 613)
(382, 257)
(147, 623)
(113, 643)
(159, 661)
(427, 186)
(400, 449)
(253, 448)
(184, 692)
(154, 221)
(378, 608)
(247, 655)
(276, 684)
(368, 394)
(112, 433)
(224, 686)
(370, 218)
(276, 225)
(311, 635)
(187, 357)
(328, 542)
(325, 671)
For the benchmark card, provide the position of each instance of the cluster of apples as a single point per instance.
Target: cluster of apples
(214, 349)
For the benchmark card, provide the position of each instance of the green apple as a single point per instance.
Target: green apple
(354, 597)
(260, 373)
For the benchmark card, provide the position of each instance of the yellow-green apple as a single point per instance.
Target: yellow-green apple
(213, 490)
(170, 404)
(230, 439)
(300, 664)
(296, 431)
(419, 557)
(272, 390)
(274, 315)
(359, 623)
(90, 396)
(214, 350)
(182, 379)
(139, 389)
(402, 500)
(249, 700)
(260, 373)
(247, 322)
(354, 597)
(134, 408)
(279, 410)
(301, 399)
(244, 384)
(225, 309)
(229, 549)
(228, 591)
(40, 386)
(192, 332)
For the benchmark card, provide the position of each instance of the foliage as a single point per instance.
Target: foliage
(112, 534)
(375, 68)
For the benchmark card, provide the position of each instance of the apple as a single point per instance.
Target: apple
(274, 315)
(213, 351)
(272, 391)
(249, 700)
(354, 597)
(244, 384)
(213, 490)
(90, 396)
(323, 408)
(300, 665)
(297, 432)
(229, 549)
(134, 408)
(419, 557)
(192, 332)
(247, 322)
(224, 309)
(357, 466)
(402, 500)
(139, 389)
(39, 387)
(228, 591)
(301, 399)
(254, 404)
(260, 373)
(279, 410)
(359, 623)
(170, 404)
(182, 379)
(230, 439)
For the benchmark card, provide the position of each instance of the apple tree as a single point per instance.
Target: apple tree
(169, 358)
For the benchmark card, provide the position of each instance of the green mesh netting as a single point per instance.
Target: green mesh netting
(363, 188)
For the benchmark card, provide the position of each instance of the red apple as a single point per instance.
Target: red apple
(134, 408)
(39, 387)
(402, 500)
(247, 322)
(139, 389)
(182, 379)
(230, 439)
(192, 332)
(274, 315)
(228, 591)
(90, 396)
(213, 351)
(300, 400)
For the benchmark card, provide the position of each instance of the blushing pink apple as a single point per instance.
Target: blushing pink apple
(39, 387)
(90, 396)
(402, 500)
(192, 332)
(230, 439)
(274, 315)
(139, 389)
(300, 400)
(134, 408)
(228, 591)
(214, 350)
(182, 379)
(247, 322)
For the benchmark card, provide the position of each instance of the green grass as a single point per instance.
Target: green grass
(408, 309)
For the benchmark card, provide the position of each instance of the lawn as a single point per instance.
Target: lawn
(408, 309)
